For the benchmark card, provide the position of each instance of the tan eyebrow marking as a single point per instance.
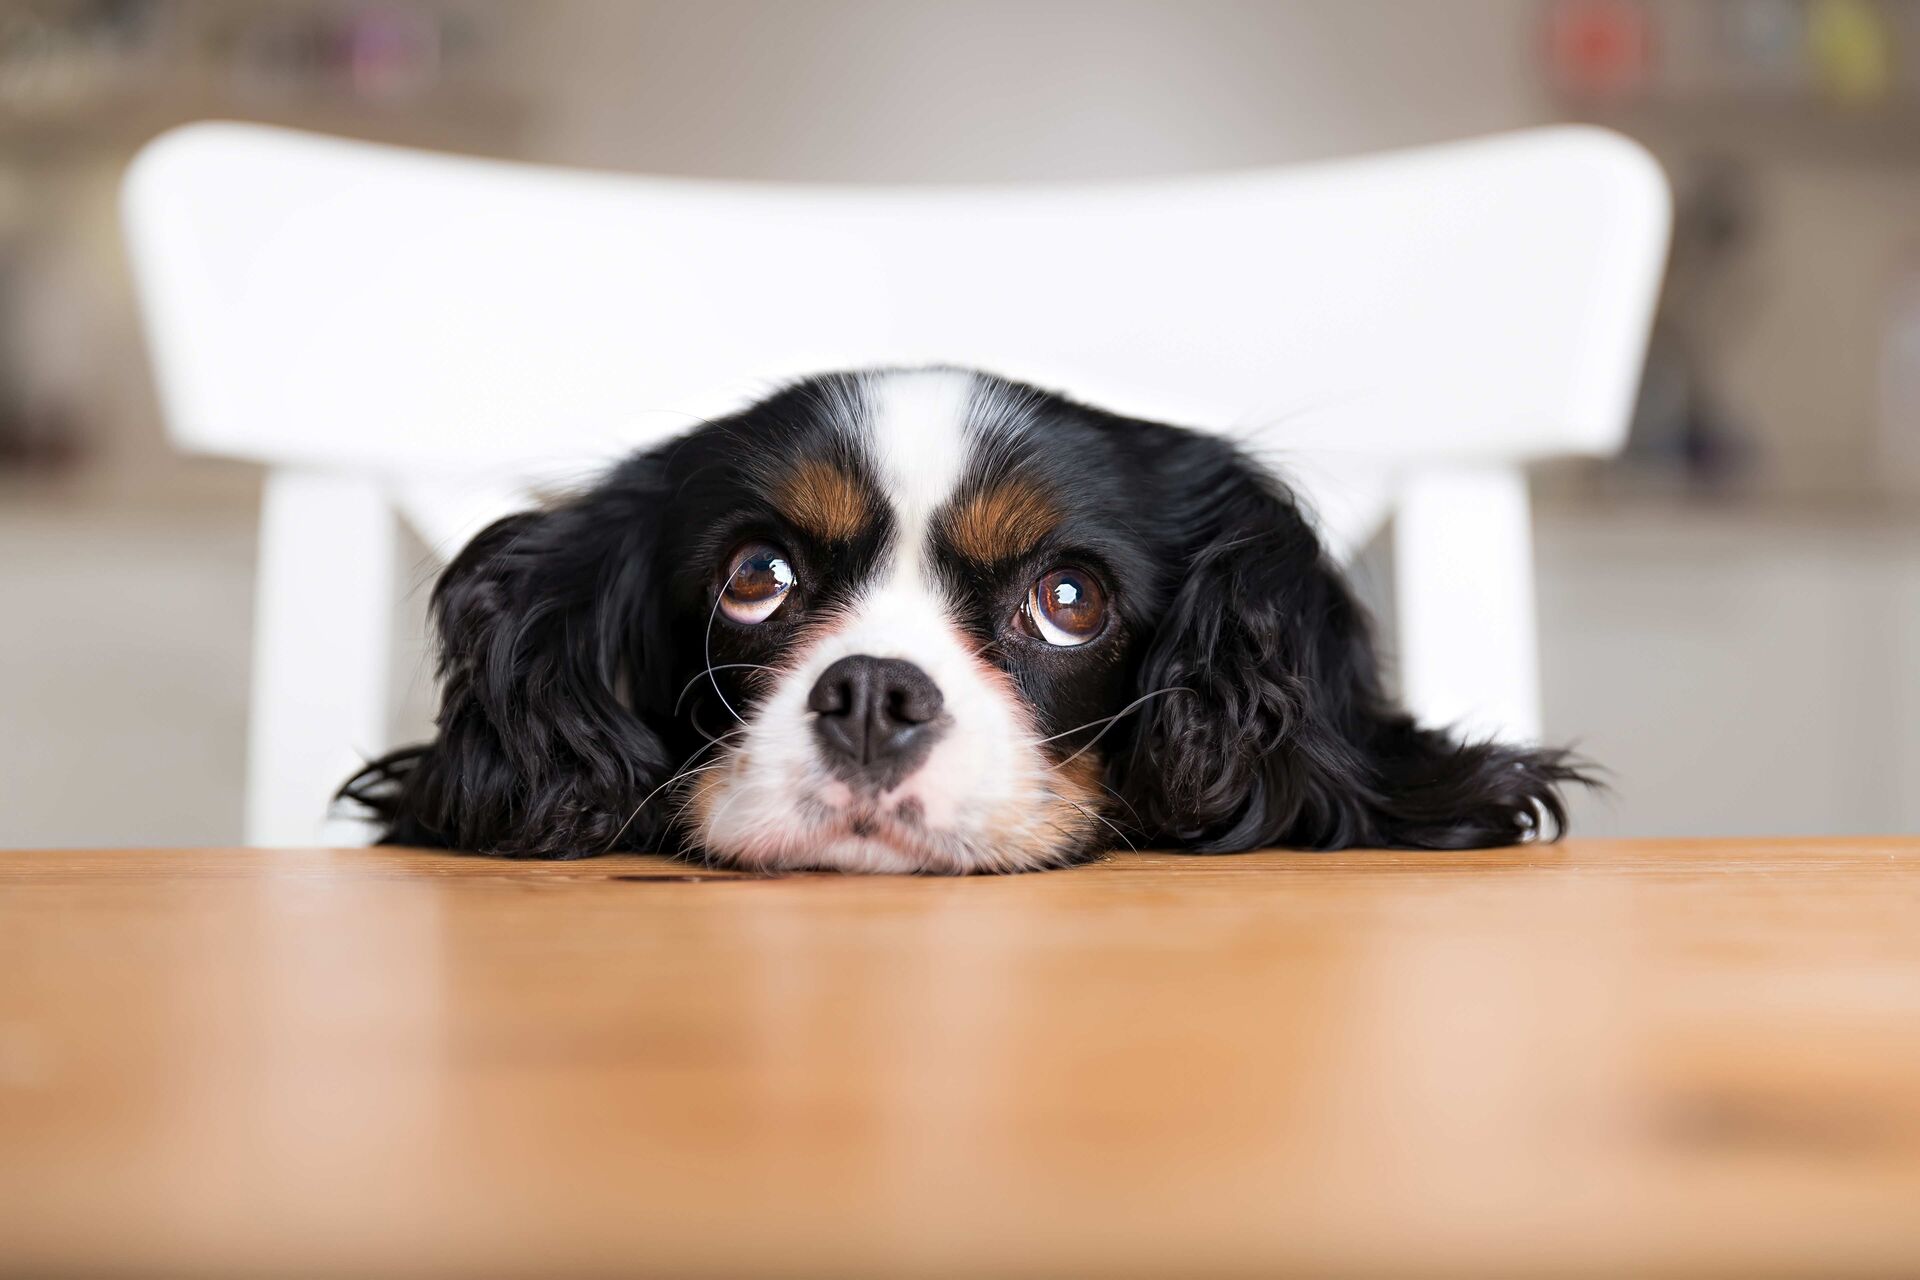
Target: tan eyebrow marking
(1001, 522)
(824, 500)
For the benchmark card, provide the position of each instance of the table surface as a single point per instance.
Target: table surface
(1684, 1056)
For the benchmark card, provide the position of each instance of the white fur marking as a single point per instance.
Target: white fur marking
(917, 422)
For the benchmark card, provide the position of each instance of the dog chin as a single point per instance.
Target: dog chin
(859, 838)
(865, 837)
(868, 854)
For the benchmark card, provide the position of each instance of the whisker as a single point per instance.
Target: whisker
(707, 642)
(1107, 724)
(713, 819)
(693, 718)
(724, 666)
(1103, 822)
(1123, 800)
(1108, 720)
(685, 772)
(679, 814)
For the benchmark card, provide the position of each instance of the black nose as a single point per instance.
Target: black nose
(876, 717)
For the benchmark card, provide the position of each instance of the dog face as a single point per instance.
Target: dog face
(926, 620)
(919, 610)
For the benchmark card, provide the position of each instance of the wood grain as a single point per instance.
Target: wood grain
(1587, 1058)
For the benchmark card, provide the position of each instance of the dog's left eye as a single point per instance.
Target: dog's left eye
(1065, 608)
(758, 579)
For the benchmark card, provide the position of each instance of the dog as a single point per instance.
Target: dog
(928, 620)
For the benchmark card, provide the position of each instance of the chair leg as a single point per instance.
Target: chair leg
(1463, 589)
(323, 610)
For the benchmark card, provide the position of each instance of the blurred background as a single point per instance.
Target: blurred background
(1730, 613)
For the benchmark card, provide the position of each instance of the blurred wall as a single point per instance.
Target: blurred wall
(941, 90)
(1837, 238)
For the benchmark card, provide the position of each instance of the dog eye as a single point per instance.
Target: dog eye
(758, 579)
(1066, 607)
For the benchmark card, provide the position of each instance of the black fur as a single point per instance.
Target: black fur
(1285, 736)
(539, 619)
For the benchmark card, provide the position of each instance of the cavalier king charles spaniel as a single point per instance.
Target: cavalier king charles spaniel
(927, 620)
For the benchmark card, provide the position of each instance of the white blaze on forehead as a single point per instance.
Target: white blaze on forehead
(917, 423)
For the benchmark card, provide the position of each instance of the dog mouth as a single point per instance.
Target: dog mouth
(776, 802)
(867, 816)
(862, 831)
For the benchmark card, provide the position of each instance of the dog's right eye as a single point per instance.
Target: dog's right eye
(758, 579)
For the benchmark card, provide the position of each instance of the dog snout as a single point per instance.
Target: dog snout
(875, 718)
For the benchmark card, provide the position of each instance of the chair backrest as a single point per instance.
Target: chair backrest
(433, 324)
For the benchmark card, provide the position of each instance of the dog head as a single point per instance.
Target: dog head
(927, 620)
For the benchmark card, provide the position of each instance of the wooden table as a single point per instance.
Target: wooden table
(1591, 1057)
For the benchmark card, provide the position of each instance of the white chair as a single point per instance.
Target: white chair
(395, 331)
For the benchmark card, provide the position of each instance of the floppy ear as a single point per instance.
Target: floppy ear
(544, 747)
(1286, 737)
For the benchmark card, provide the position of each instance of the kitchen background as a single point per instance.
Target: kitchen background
(1730, 614)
